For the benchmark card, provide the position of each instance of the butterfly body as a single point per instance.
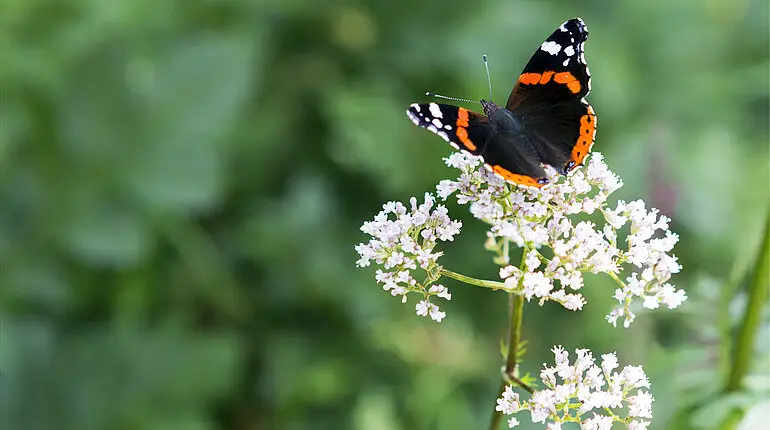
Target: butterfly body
(502, 119)
(545, 121)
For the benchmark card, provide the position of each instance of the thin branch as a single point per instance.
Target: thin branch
(522, 384)
(473, 281)
(516, 308)
(616, 279)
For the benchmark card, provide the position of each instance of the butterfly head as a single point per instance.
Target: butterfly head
(489, 107)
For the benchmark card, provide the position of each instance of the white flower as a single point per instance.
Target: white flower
(538, 218)
(426, 308)
(436, 314)
(555, 247)
(634, 377)
(536, 285)
(403, 239)
(445, 188)
(423, 307)
(609, 362)
(532, 261)
(640, 405)
(603, 394)
(440, 291)
(508, 403)
(598, 422)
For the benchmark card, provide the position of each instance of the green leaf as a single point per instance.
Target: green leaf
(718, 408)
(198, 90)
(530, 380)
(117, 378)
(105, 233)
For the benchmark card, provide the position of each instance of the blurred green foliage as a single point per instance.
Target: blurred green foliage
(183, 182)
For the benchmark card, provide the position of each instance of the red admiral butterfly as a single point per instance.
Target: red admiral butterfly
(546, 120)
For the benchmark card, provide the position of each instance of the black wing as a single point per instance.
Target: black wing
(556, 72)
(463, 129)
(549, 97)
(562, 133)
(472, 132)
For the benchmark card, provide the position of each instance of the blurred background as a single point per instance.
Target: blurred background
(183, 184)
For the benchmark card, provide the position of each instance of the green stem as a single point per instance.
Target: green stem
(516, 307)
(522, 384)
(497, 416)
(744, 346)
(517, 304)
(615, 277)
(473, 281)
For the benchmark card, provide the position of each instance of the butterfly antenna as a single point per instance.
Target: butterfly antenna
(439, 96)
(489, 80)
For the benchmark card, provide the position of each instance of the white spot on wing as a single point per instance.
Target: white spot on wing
(415, 106)
(435, 110)
(448, 127)
(551, 47)
(413, 117)
(565, 62)
(454, 145)
(570, 51)
(437, 123)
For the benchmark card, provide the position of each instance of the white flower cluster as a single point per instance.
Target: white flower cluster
(648, 254)
(403, 240)
(574, 390)
(538, 219)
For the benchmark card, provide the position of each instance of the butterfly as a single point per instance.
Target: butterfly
(546, 120)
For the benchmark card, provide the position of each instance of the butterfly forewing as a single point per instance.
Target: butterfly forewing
(549, 98)
(556, 72)
(463, 129)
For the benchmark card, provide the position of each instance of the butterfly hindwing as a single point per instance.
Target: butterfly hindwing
(515, 163)
(562, 133)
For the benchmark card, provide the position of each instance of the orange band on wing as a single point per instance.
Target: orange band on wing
(462, 134)
(586, 137)
(516, 178)
(567, 78)
(462, 131)
(462, 117)
(530, 78)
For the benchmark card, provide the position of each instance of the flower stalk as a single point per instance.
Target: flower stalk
(472, 281)
(516, 316)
